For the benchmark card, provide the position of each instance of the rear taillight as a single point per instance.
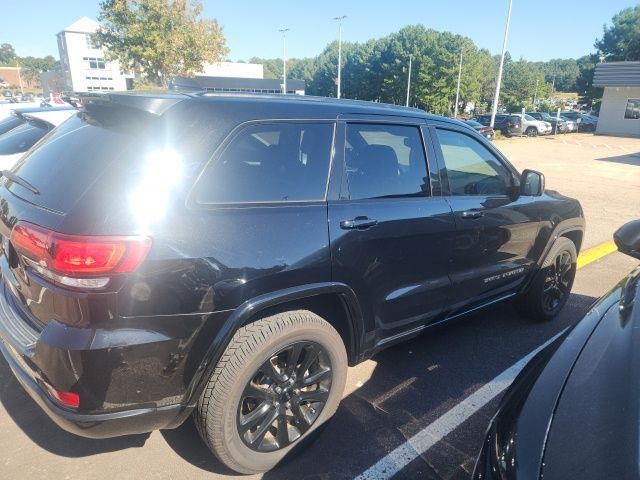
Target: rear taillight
(79, 256)
(68, 399)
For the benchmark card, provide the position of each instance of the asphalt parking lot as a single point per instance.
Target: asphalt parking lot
(408, 390)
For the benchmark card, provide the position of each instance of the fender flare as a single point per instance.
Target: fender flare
(558, 232)
(250, 308)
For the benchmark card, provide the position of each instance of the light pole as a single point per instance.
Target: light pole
(455, 113)
(409, 79)
(535, 95)
(496, 96)
(339, 20)
(284, 31)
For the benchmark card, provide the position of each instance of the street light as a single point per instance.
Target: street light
(284, 31)
(455, 113)
(339, 20)
(496, 97)
(409, 79)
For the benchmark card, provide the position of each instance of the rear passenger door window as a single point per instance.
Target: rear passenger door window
(471, 168)
(385, 161)
(275, 162)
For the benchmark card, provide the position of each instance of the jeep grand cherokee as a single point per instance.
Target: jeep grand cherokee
(226, 256)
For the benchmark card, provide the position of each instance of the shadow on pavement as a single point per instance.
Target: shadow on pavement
(412, 385)
(628, 159)
(44, 432)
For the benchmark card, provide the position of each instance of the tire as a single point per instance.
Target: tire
(531, 132)
(534, 303)
(225, 406)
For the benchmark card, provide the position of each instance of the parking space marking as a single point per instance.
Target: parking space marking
(426, 438)
(592, 254)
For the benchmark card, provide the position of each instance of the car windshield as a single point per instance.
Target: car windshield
(529, 118)
(22, 138)
(475, 124)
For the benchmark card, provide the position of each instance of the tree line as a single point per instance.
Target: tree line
(377, 70)
(30, 67)
(157, 39)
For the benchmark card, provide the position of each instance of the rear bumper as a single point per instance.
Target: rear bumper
(100, 425)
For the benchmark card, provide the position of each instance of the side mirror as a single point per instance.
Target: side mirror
(627, 239)
(532, 183)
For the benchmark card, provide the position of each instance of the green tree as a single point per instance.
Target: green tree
(621, 40)
(160, 38)
(587, 93)
(562, 73)
(7, 54)
(32, 67)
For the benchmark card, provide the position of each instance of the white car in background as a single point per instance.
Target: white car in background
(15, 142)
(571, 125)
(531, 127)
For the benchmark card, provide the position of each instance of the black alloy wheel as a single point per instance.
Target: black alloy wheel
(557, 284)
(285, 397)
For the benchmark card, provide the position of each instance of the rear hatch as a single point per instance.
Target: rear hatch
(102, 173)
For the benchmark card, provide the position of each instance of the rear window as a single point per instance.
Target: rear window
(277, 162)
(9, 123)
(21, 138)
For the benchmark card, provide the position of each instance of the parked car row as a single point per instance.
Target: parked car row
(19, 96)
(533, 124)
(231, 256)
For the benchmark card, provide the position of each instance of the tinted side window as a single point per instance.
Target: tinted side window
(385, 161)
(471, 168)
(270, 163)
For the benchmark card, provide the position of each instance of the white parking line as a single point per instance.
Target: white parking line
(426, 438)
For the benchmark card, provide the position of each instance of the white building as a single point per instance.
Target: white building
(232, 69)
(82, 61)
(620, 109)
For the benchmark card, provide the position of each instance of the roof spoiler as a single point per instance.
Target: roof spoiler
(148, 103)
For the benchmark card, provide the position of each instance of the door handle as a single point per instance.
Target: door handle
(471, 214)
(358, 223)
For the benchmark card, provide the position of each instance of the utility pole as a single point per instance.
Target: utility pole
(284, 31)
(496, 96)
(20, 78)
(339, 20)
(535, 94)
(409, 79)
(455, 113)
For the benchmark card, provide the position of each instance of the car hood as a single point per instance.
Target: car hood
(517, 436)
(595, 432)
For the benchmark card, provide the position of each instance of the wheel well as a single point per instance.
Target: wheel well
(330, 307)
(576, 237)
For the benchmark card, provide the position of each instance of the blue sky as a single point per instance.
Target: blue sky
(540, 30)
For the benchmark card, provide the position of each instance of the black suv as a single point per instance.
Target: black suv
(508, 124)
(230, 256)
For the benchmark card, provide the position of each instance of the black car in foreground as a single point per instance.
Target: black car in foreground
(229, 256)
(574, 410)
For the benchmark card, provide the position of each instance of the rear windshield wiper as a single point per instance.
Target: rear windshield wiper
(20, 181)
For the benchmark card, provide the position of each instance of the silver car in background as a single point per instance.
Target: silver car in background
(531, 127)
